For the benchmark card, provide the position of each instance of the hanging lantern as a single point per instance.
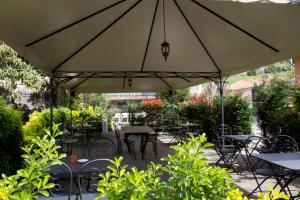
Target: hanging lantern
(130, 82)
(165, 49)
(165, 46)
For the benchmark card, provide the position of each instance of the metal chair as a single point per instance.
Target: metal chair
(227, 129)
(176, 132)
(129, 143)
(61, 176)
(256, 144)
(227, 152)
(278, 144)
(88, 177)
(283, 144)
(101, 148)
(152, 138)
(258, 168)
(67, 142)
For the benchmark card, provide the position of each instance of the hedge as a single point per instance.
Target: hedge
(10, 139)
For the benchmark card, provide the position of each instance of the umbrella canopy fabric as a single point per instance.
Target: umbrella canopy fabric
(97, 46)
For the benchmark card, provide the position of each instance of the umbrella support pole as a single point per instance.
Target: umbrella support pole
(51, 104)
(221, 87)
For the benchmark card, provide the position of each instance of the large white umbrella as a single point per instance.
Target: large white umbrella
(97, 46)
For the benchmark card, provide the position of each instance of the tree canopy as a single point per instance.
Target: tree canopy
(15, 70)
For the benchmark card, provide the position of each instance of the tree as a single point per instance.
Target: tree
(15, 70)
(95, 100)
(172, 102)
(178, 96)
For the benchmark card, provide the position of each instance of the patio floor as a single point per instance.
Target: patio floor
(244, 179)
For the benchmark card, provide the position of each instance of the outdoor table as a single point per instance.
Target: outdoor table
(289, 161)
(241, 138)
(186, 128)
(177, 132)
(75, 167)
(189, 125)
(142, 131)
(241, 144)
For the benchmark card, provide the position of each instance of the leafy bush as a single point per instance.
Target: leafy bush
(237, 113)
(10, 139)
(33, 181)
(190, 177)
(172, 101)
(153, 109)
(201, 111)
(24, 110)
(183, 168)
(170, 112)
(277, 105)
(40, 120)
(135, 109)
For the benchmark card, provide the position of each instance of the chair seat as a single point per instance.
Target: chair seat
(228, 146)
(128, 141)
(227, 150)
(70, 141)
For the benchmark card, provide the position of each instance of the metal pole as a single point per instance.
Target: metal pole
(71, 109)
(51, 105)
(222, 103)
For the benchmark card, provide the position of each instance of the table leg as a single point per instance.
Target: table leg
(291, 178)
(144, 140)
(127, 143)
(278, 179)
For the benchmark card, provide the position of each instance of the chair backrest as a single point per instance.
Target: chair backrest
(226, 128)
(88, 175)
(283, 143)
(217, 140)
(102, 148)
(256, 144)
(61, 176)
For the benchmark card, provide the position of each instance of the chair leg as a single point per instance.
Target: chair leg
(128, 147)
(258, 185)
(155, 149)
(119, 148)
(220, 159)
(154, 145)
(133, 150)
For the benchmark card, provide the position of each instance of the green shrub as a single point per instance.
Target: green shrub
(190, 177)
(33, 181)
(201, 111)
(24, 110)
(40, 120)
(10, 139)
(277, 105)
(170, 112)
(237, 113)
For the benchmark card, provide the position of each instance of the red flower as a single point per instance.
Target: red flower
(152, 103)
